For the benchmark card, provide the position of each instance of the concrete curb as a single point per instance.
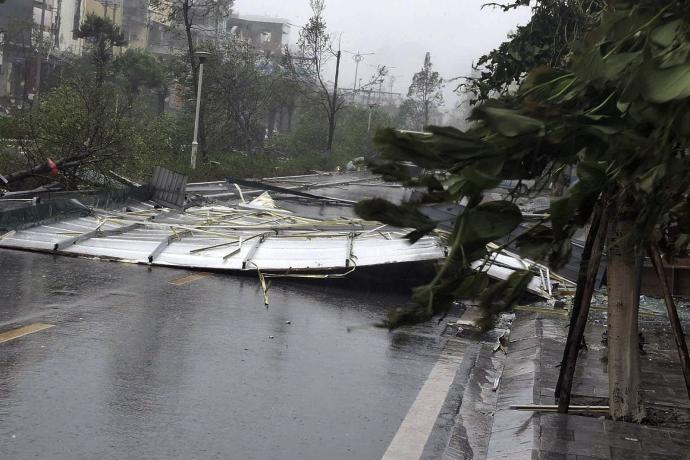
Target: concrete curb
(514, 433)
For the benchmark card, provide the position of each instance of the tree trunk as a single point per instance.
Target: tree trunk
(333, 107)
(624, 259)
(331, 134)
(45, 168)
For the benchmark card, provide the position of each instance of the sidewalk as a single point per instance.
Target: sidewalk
(529, 377)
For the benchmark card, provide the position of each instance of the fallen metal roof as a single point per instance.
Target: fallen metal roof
(236, 238)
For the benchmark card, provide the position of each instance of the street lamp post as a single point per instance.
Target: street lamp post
(202, 55)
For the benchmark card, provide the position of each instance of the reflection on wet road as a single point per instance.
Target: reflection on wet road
(164, 363)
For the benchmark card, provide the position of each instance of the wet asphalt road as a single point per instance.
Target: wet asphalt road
(137, 367)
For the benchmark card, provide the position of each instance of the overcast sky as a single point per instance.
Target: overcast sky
(400, 32)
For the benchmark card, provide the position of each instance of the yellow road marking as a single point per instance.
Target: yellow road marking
(189, 278)
(22, 331)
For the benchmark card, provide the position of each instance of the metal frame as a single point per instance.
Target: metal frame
(61, 245)
(166, 242)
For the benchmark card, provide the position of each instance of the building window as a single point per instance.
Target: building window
(265, 37)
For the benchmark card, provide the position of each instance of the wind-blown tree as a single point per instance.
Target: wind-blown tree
(101, 35)
(544, 40)
(619, 113)
(426, 90)
(139, 70)
(309, 66)
(409, 117)
(78, 123)
(92, 119)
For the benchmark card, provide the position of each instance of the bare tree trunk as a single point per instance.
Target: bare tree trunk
(426, 114)
(623, 343)
(45, 167)
(333, 107)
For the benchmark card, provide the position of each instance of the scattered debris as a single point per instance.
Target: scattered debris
(502, 343)
(554, 408)
(497, 381)
(502, 263)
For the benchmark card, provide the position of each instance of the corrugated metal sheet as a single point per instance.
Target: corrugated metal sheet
(226, 238)
(169, 187)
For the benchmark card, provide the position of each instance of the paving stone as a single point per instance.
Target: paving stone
(563, 434)
(527, 353)
(590, 448)
(510, 442)
(525, 367)
(618, 453)
(523, 344)
(662, 456)
(522, 455)
(626, 442)
(511, 419)
(547, 455)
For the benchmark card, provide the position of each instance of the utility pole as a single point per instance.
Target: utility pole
(392, 81)
(357, 57)
(334, 108)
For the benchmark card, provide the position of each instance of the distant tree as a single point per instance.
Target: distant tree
(409, 116)
(308, 67)
(426, 90)
(139, 69)
(101, 35)
(241, 89)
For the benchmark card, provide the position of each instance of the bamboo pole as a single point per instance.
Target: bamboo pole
(554, 408)
(585, 286)
(577, 300)
(677, 328)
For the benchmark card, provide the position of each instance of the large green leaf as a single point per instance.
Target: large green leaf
(404, 216)
(460, 146)
(665, 34)
(472, 180)
(506, 122)
(489, 221)
(417, 148)
(664, 85)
